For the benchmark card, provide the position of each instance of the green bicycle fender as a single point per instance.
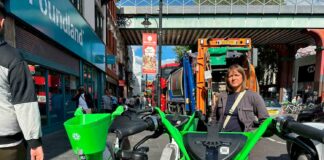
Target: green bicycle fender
(175, 134)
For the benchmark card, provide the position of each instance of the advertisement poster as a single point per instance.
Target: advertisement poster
(149, 53)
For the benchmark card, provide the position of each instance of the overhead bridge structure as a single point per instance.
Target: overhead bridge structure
(287, 25)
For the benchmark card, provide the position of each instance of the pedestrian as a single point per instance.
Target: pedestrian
(137, 102)
(238, 108)
(127, 101)
(143, 102)
(294, 100)
(120, 101)
(84, 100)
(107, 104)
(299, 100)
(20, 117)
(114, 101)
(130, 102)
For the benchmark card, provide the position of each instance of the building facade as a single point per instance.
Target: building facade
(64, 45)
(117, 53)
(137, 73)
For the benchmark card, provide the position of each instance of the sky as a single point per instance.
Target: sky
(168, 55)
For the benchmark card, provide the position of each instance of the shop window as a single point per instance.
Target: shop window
(39, 75)
(87, 77)
(78, 5)
(58, 106)
(70, 88)
(56, 99)
(98, 23)
(95, 87)
(90, 78)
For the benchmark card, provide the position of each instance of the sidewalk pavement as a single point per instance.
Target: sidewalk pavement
(57, 146)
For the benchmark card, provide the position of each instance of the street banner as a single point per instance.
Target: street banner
(149, 53)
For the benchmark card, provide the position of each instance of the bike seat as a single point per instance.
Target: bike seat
(226, 147)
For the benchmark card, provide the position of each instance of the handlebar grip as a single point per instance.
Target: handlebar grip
(131, 128)
(288, 124)
(306, 131)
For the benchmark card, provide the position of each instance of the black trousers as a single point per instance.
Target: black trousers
(13, 153)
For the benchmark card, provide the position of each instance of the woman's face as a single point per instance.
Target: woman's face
(235, 79)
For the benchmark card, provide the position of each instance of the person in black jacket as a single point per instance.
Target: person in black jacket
(84, 100)
(20, 118)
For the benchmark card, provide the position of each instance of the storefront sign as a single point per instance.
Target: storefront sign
(110, 59)
(39, 80)
(149, 53)
(60, 21)
(31, 69)
(41, 97)
(121, 82)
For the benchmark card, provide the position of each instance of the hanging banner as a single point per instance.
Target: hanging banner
(149, 53)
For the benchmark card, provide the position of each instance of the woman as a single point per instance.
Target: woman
(242, 117)
(83, 100)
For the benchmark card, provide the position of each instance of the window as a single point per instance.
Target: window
(78, 5)
(98, 23)
(70, 88)
(56, 99)
(39, 75)
(54, 92)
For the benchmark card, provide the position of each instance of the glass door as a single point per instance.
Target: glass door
(70, 88)
(56, 99)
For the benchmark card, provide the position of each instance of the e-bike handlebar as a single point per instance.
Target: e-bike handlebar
(289, 125)
(131, 123)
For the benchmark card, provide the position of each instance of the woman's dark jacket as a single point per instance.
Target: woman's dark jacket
(251, 105)
(87, 97)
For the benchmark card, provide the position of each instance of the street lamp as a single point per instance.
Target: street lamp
(146, 23)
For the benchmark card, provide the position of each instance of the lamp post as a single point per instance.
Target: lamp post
(146, 23)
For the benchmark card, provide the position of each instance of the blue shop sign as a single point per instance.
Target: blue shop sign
(110, 59)
(59, 20)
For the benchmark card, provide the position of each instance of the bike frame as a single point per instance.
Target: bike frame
(252, 137)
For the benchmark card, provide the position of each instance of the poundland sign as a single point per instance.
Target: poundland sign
(59, 20)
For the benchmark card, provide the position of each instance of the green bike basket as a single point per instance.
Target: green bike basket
(88, 133)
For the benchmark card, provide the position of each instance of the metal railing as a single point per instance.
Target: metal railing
(218, 2)
(297, 6)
